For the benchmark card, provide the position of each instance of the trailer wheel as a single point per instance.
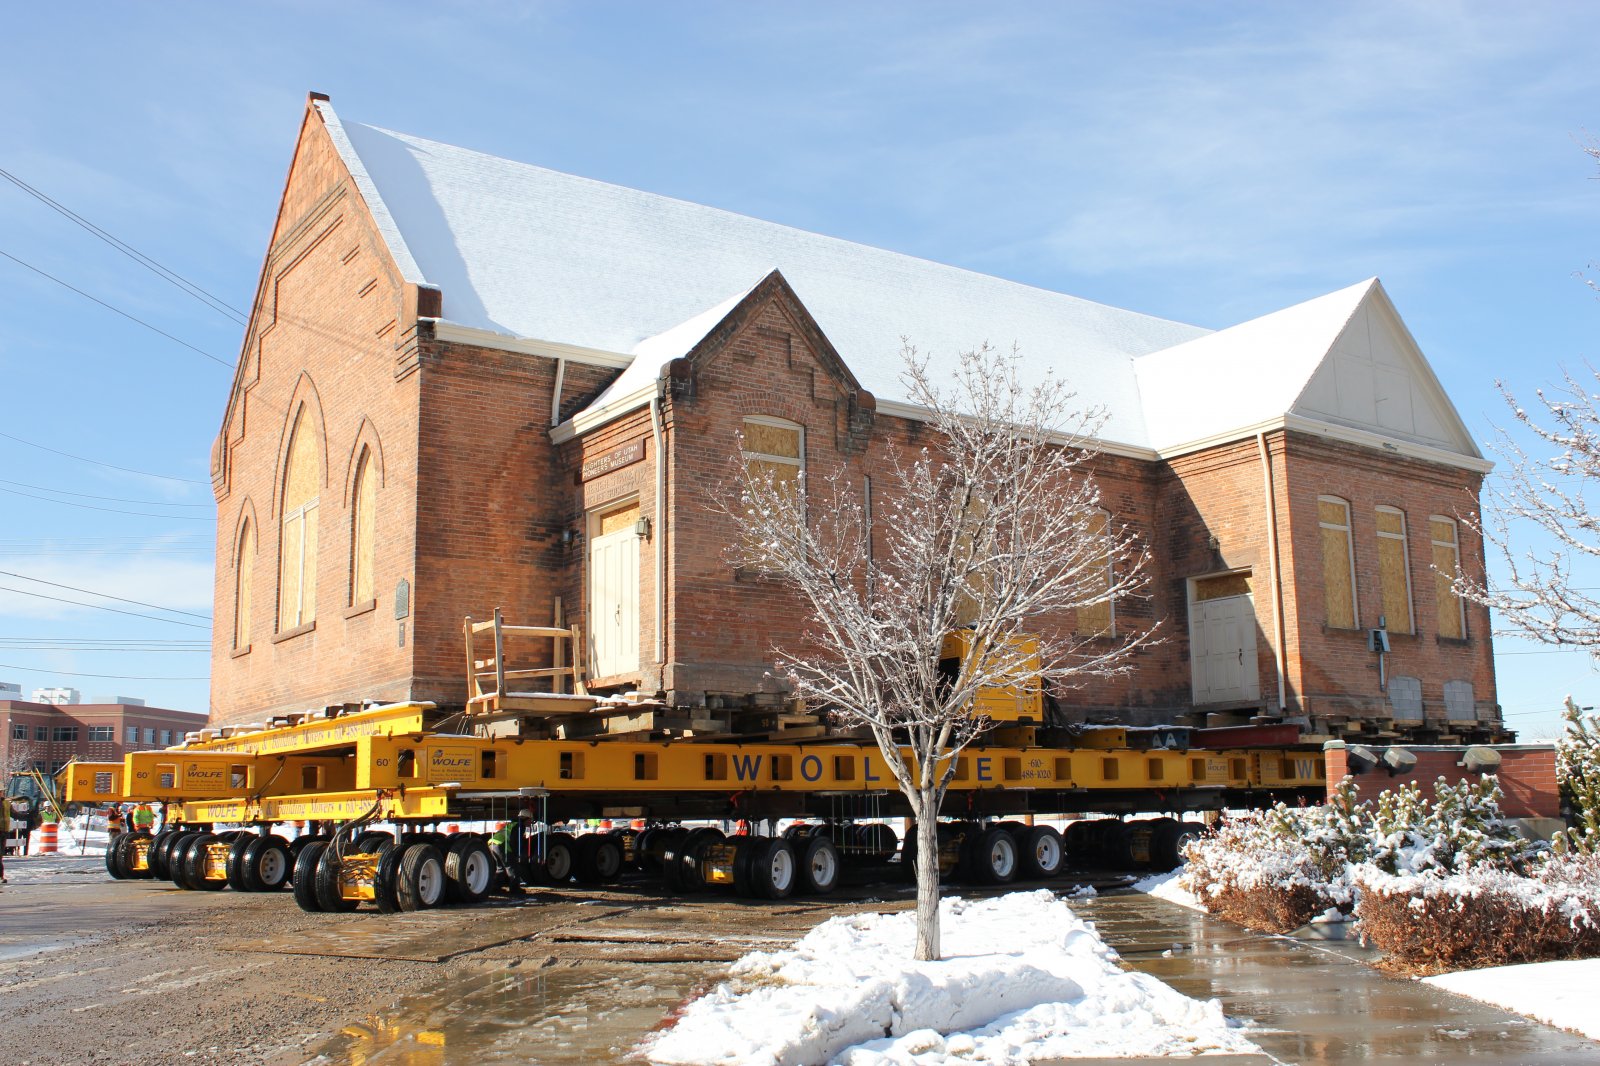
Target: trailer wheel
(469, 871)
(878, 840)
(181, 855)
(305, 874)
(325, 883)
(680, 864)
(265, 865)
(773, 870)
(819, 867)
(559, 857)
(991, 856)
(421, 879)
(798, 830)
(1040, 851)
(158, 854)
(129, 846)
(386, 880)
(597, 859)
(194, 865)
(236, 874)
(372, 843)
(114, 865)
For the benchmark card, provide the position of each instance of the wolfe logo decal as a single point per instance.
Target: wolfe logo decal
(452, 764)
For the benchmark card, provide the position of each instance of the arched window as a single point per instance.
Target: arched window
(1338, 562)
(1394, 570)
(244, 580)
(1446, 564)
(297, 556)
(363, 529)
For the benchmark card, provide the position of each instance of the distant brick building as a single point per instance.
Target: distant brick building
(46, 736)
(471, 383)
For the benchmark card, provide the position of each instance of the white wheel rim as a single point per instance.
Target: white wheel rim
(430, 882)
(782, 868)
(824, 867)
(477, 872)
(1048, 853)
(1003, 857)
(271, 867)
(559, 864)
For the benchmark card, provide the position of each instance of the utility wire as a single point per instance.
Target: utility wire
(118, 310)
(101, 607)
(110, 499)
(112, 510)
(118, 677)
(214, 302)
(104, 595)
(108, 466)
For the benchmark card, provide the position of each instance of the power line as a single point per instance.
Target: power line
(117, 677)
(104, 595)
(101, 607)
(111, 510)
(118, 310)
(109, 466)
(214, 302)
(110, 499)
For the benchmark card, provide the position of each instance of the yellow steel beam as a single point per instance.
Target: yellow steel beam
(393, 720)
(92, 782)
(329, 806)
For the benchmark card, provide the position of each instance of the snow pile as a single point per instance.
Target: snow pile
(1172, 887)
(1023, 979)
(1557, 993)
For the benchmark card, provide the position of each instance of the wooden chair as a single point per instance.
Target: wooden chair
(487, 676)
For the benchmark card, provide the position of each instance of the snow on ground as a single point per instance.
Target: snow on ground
(1022, 979)
(1170, 888)
(1558, 993)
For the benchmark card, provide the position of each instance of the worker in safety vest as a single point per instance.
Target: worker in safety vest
(144, 818)
(115, 823)
(5, 830)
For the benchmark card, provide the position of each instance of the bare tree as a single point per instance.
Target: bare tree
(995, 530)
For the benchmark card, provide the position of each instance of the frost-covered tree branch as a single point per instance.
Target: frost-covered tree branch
(995, 529)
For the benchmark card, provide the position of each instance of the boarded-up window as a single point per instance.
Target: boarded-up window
(1446, 562)
(1338, 561)
(244, 576)
(1460, 704)
(775, 450)
(1394, 570)
(363, 529)
(297, 558)
(1097, 618)
(1221, 586)
(1405, 698)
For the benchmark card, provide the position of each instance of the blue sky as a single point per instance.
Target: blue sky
(1207, 163)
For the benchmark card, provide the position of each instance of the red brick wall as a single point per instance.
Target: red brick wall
(333, 328)
(1332, 673)
(1527, 776)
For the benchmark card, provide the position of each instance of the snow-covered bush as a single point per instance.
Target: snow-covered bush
(1462, 827)
(1578, 774)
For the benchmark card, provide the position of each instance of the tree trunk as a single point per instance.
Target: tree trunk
(928, 879)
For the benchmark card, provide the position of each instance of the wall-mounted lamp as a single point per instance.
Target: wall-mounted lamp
(641, 528)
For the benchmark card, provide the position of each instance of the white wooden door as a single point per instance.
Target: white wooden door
(614, 603)
(1222, 642)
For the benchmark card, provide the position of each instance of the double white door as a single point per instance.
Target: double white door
(614, 603)
(1222, 642)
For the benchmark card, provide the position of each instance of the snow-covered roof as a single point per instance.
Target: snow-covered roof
(539, 256)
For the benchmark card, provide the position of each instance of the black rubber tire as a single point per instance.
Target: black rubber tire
(194, 865)
(305, 874)
(773, 869)
(420, 881)
(385, 890)
(653, 844)
(743, 854)
(818, 866)
(236, 878)
(182, 860)
(114, 865)
(131, 844)
(266, 864)
(469, 871)
(560, 858)
(325, 883)
(1040, 852)
(878, 840)
(680, 864)
(158, 854)
(598, 859)
(297, 845)
(371, 843)
(175, 854)
(990, 856)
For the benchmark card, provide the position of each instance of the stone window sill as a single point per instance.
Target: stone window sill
(239, 653)
(359, 609)
(290, 634)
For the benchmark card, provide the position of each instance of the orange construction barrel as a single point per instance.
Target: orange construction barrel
(47, 838)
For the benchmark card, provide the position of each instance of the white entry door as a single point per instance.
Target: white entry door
(614, 595)
(1222, 641)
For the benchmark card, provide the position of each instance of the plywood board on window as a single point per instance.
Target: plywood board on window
(1340, 593)
(772, 440)
(1215, 588)
(618, 520)
(1395, 579)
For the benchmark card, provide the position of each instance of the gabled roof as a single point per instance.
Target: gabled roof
(546, 258)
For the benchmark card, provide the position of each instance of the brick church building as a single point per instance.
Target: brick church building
(472, 383)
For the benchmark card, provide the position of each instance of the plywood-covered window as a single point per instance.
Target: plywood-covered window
(1338, 561)
(776, 449)
(1394, 570)
(1446, 563)
(1097, 618)
(297, 557)
(363, 529)
(244, 576)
